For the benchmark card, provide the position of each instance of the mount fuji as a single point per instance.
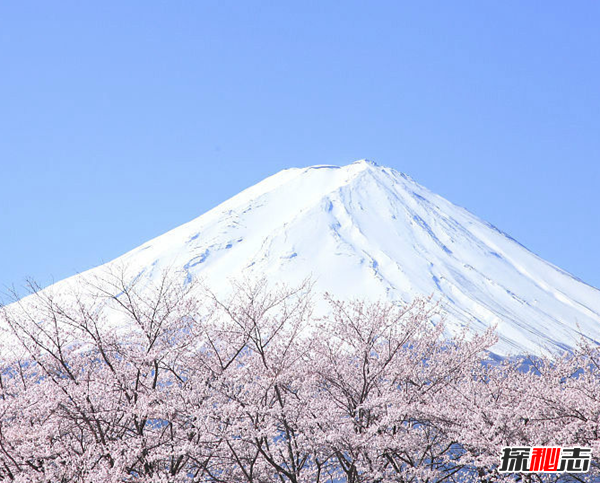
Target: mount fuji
(368, 231)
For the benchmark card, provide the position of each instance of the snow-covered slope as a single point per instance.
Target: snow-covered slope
(369, 231)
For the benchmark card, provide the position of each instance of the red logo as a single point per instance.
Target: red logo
(525, 459)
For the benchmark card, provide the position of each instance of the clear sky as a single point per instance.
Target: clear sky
(122, 120)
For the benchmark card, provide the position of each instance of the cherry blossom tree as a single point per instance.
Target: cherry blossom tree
(129, 380)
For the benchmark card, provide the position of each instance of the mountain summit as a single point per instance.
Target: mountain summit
(364, 230)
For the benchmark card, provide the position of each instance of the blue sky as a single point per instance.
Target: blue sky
(122, 120)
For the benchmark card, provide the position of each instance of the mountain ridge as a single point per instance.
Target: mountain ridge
(365, 230)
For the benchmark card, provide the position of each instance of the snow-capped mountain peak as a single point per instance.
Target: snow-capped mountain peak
(365, 230)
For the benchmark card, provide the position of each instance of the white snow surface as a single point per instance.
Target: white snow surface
(368, 231)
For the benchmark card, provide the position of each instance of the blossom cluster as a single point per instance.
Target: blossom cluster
(255, 388)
